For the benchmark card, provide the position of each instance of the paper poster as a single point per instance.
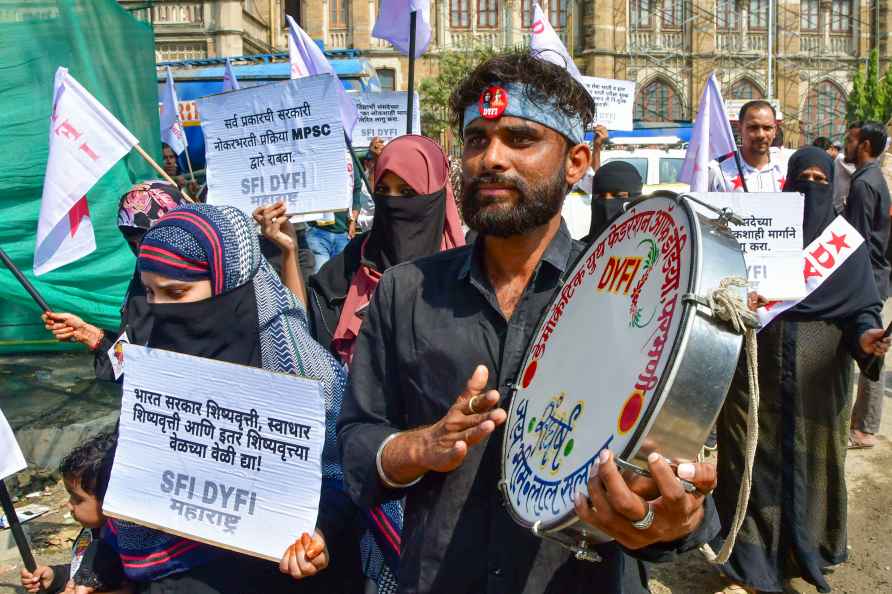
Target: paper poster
(614, 101)
(770, 236)
(383, 115)
(282, 141)
(222, 453)
(11, 458)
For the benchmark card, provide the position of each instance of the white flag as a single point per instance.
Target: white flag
(11, 459)
(86, 140)
(820, 259)
(711, 138)
(307, 59)
(393, 24)
(172, 133)
(230, 82)
(547, 46)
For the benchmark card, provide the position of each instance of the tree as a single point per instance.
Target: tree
(875, 102)
(434, 91)
(871, 96)
(855, 102)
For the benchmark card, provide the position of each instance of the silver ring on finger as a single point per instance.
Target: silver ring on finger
(648, 519)
(471, 404)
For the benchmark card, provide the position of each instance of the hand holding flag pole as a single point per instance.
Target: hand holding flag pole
(872, 369)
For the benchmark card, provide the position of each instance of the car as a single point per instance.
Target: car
(659, 167)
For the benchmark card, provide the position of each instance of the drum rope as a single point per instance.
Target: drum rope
(727, 305)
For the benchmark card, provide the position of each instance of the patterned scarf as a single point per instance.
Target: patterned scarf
(225, 240)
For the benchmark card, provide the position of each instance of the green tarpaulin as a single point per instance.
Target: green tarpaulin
(112, 55)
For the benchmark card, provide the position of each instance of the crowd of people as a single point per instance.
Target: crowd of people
(417, 337)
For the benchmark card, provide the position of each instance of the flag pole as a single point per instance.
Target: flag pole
(26, 284)
(161, 171)
(357, 164)
(410, 95)
(15, 527)
(740, 170)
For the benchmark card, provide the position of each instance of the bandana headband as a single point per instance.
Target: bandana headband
(521, 101)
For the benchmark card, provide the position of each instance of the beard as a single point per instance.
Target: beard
(536, 205)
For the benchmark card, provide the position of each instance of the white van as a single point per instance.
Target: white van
(659, 168)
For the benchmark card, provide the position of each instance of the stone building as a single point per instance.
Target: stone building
(189, 30)
(668, 47)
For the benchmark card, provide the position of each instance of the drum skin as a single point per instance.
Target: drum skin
(627, 357)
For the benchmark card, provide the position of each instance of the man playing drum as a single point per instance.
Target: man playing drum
(441, 346)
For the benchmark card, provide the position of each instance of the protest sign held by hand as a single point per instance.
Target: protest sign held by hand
(213, 451)
(278, 142)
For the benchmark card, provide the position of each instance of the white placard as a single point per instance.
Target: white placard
(11, 458)
(222, 453)
(383, 115)
(614, 101)
(771, 239)
(282, 141)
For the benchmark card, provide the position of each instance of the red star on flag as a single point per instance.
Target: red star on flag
(782, 181)
(838, 241)
(738, 182)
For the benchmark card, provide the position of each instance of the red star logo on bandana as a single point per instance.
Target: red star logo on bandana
(738, 182)
(838, 241)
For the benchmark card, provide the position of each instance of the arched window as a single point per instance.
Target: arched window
(824, 113)
(745, 89)
(658, 102)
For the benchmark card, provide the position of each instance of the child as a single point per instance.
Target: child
(85, 472)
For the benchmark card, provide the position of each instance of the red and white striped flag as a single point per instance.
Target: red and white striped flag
(86, 140)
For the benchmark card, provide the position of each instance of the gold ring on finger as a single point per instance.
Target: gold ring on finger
(471, 404)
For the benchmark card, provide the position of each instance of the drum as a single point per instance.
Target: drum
(628, 357)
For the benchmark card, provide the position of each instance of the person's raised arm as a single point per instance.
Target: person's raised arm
(275, 226)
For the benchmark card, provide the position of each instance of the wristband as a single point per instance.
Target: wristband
(99, 338)
(387, 482)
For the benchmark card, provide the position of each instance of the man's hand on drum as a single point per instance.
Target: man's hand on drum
(442, 447)
(615, 508)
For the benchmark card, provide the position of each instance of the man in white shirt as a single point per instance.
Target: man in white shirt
(764, 170)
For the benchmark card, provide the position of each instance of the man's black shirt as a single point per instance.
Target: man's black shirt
(429, 324)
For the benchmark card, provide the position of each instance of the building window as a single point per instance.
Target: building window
(487, 14)
(758, 15)
(339, 13)
(526, 13)
(673, 14)
(841, 16)
(825, 111)
(459, 14)
(658, 102)
(641, 12)
(726, 17)
(808, 15)
(745, 89)
(387, 78)
(557, 13)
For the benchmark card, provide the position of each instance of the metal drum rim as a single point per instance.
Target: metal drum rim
(570, 518)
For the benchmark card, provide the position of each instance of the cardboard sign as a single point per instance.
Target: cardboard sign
(11, 458)
(216, 452)
(383, 115)
(771, 239)
(614, 101)
(282, 141)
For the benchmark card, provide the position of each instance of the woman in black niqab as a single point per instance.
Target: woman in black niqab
(795, 522)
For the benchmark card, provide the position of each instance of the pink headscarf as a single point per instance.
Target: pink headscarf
(421, 163)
